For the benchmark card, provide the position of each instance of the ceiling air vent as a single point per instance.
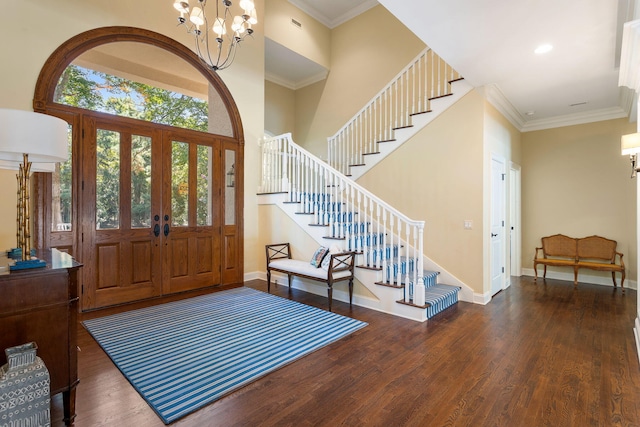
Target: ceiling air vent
(296, 23)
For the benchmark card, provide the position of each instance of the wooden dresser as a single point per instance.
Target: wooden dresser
(41, 305)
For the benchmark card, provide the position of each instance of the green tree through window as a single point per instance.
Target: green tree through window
(97, 91)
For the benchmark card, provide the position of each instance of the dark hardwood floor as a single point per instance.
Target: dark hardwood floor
(536, 355)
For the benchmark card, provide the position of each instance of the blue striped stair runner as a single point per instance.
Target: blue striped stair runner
(359, 235)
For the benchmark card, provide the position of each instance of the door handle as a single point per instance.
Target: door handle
(166, 230)
(494, 235)
(156, 230)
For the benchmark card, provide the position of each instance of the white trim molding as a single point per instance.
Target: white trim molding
(295, 85)
(307, 8)
(630, 56)
(582, 278)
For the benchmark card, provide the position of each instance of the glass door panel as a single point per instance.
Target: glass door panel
(61, 196)
(179, 184)
(141, 173)
(107, 179)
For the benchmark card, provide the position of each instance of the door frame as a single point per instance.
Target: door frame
(43, 102)
(502, 256)
(515, 220)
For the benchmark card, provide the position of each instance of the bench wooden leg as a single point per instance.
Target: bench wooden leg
(535, 272)
(330, 295)
(575, 277)
(268, 281)
(545, 273)
(613, 276)
(622, 274)
(290, 277)
(350, 292)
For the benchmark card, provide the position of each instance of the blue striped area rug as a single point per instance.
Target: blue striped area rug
(185, 354)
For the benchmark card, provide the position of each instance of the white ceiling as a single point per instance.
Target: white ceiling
(491, 43)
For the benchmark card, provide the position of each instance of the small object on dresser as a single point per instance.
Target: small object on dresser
(24, 388)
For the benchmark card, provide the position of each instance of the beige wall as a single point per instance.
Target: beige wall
(279, 109)
(575, 182)
(366, 53)
(437, 176)
(313, 40)
(28, 43)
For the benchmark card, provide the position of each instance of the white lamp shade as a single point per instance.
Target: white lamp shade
(197, 16)
(219, 27)
(42, 137)
(630, 143)
(35, 167)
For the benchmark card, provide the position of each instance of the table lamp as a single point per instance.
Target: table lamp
(25, 138)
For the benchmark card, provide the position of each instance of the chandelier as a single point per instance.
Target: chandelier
(217, 39)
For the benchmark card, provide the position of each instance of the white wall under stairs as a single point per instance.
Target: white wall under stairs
(459, 89)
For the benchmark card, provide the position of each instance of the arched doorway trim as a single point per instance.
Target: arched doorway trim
(75, 46)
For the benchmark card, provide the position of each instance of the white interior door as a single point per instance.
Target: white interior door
(497, 224)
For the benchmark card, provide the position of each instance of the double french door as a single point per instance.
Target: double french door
(152, 211)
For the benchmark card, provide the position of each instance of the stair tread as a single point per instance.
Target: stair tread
(439, 294)
(368, 267)
(402, 127)
(440, 96)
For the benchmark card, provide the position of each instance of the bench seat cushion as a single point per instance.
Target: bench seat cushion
(605, 266)
(304, 268)
(555, 261)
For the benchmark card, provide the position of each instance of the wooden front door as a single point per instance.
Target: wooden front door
(120, 219)
(191, 211)
(151, 214)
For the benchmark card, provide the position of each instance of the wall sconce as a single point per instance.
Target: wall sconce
(630, 145)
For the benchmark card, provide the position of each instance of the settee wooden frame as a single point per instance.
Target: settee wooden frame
(340, 268)
(593, 252)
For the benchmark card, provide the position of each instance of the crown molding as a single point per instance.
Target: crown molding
(630, 56)
(332, 23)
(361, 8)
(295, 85)
(576, 119)
(495, 97)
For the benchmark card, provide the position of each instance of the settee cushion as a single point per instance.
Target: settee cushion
(304, 268)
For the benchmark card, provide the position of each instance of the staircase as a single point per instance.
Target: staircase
(413, 99)
(333, 209)
(330, 206)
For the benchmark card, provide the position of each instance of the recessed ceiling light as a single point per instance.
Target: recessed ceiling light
(543, 48)
(530, 113)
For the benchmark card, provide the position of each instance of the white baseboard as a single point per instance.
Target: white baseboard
(482, 299)
(255, 275)
(582, 278)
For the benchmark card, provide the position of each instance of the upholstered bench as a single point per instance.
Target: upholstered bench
(593, 252)
(332, 267)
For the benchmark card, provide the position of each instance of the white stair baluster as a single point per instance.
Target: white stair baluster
(418, 289)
